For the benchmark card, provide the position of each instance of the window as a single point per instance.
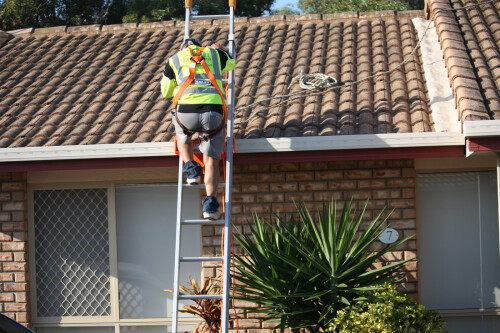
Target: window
(72, 253)
(459, 249)
(104, 255)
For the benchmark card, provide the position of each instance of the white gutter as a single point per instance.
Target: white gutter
(51, 153)
(158, 149)
(481, 128)
(343, 142)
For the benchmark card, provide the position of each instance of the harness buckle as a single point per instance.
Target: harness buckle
(196, 55)
(197, 59)
(204, 138)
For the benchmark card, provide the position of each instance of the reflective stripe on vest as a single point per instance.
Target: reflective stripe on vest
(178, 67)
(201, 90)
(215, 64)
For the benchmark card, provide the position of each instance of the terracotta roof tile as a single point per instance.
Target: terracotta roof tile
(90, 85)
(473, 61)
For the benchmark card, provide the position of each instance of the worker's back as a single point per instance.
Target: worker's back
(201, 91)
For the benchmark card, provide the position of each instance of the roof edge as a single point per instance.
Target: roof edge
(295, 144)
(345, 142)
(52, 153)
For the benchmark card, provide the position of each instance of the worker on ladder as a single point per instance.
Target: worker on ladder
(193, 77)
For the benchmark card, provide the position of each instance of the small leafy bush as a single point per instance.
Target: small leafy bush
(386, 311)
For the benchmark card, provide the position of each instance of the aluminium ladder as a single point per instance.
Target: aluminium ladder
(226, 222)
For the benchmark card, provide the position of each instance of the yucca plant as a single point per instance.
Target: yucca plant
(301, 272)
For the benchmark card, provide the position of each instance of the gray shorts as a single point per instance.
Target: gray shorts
(206, 121)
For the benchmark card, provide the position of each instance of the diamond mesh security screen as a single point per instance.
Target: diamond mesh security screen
(72, 252)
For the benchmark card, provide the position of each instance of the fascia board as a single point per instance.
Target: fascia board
(481, 128)
(343, 142)
(86, 152)
(314, 143)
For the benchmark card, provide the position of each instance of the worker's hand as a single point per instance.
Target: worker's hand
(216, 46)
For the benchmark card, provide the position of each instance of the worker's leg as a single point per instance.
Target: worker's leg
(185, 149)
(191, 168)
(211, 175)
(211, 155)
(209, 203)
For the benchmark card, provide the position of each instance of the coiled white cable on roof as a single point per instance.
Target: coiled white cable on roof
(314, 81)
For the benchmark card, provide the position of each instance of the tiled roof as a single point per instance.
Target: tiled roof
(470, 41)
(100, 84)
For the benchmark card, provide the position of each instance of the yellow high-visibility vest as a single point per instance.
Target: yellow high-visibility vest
(201, 90)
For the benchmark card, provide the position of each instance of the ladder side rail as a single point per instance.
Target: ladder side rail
(178, 237)
(186, 26)
(177, 249)
(229, 173)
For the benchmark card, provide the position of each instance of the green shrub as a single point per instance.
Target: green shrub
(387, 311)
(302, 271)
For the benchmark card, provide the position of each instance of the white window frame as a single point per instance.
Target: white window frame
(88, 321)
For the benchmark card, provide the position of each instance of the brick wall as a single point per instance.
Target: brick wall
(14, 287)
(266, 188)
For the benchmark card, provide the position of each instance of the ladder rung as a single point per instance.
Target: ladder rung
(200, 185)
(209, 17)
(190, 259)
(202, 221)
(200, 296)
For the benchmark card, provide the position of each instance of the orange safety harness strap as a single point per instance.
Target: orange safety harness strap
(196, 59)
(214, 83)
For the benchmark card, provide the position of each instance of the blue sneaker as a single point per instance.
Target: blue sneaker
(192, 169)
(210, 206)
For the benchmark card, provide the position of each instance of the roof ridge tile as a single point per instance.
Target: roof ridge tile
(111, 28)
(156, 25)
(58, 30)
(84, 29)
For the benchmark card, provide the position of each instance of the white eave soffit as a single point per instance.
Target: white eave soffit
(162, 149)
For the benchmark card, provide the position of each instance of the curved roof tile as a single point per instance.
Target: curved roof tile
(90, 85)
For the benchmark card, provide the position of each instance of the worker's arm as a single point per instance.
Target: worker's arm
(226, 61)
(168, 82)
